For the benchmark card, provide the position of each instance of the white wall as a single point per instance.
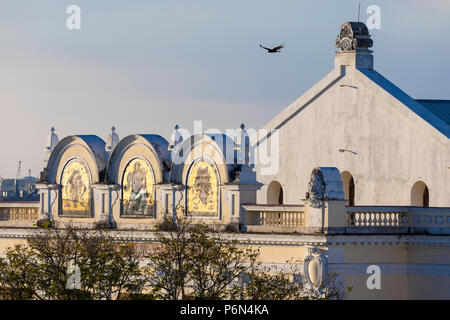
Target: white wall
(393, 151)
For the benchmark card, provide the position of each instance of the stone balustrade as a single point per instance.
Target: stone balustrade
(434, 220)
(375, 216)
(274, 218)
(19, 214)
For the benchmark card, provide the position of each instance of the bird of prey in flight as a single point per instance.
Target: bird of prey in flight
(273, 50)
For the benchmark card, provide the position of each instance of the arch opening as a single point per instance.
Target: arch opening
(420, 195)
(349, 187)
(275, 193)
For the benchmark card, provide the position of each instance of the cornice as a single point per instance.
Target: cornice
(293, 240)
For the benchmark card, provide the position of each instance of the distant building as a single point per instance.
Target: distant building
(19, 189)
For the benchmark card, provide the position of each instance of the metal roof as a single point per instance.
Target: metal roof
(440, 108)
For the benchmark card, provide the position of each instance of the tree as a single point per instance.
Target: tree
(267, 284)
(101, 267)
(192, 262)
(187, 261)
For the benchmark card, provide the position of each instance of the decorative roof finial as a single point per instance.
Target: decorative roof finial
(176, 138)
(112, 141)
(52, 140)
(353, 36)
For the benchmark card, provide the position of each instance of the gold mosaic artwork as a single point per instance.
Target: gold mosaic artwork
(202, 190)
(137, 189)
(75, 189)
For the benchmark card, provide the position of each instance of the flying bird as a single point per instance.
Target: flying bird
(273, 50)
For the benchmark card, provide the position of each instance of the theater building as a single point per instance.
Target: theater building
(359, 175)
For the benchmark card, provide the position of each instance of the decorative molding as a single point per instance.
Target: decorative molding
(315, 268)
(353, 36)
(321, 241)
(391, 268)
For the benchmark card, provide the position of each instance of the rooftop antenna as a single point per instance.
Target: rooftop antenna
(359, 9)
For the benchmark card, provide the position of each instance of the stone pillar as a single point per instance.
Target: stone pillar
(48, 194)
(103, 195)
(230, 213)
(165, 200)
(325, 203)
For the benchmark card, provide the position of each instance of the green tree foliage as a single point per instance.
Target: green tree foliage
(187, 261)
(42, 268)
(193, 262)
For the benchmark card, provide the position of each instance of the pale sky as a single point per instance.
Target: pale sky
(144, 66)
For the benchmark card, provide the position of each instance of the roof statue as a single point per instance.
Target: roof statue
(176, 138)
(353, 36)
(52, 140)
(112, 141)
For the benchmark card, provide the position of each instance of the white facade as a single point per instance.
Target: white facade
(356, 120)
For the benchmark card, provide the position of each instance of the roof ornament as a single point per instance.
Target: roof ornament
(112, 141)
(242, 145)
(353, 36)
(52, 140)
(176, 137)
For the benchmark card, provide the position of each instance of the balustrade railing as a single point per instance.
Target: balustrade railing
(402, 216)
(375, 216)
(19, 214)
(280, 218)
(274, 217)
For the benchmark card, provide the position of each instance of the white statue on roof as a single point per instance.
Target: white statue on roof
(176, 138)
(112, 141)
(52, 141)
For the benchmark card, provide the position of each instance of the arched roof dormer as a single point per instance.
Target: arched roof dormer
(150, 147)
(218, 149)
(89, 148)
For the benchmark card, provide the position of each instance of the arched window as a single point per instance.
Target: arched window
(349, 187)
(275, 193)
(420, 196)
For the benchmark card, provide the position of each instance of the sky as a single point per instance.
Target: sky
(144, 66)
